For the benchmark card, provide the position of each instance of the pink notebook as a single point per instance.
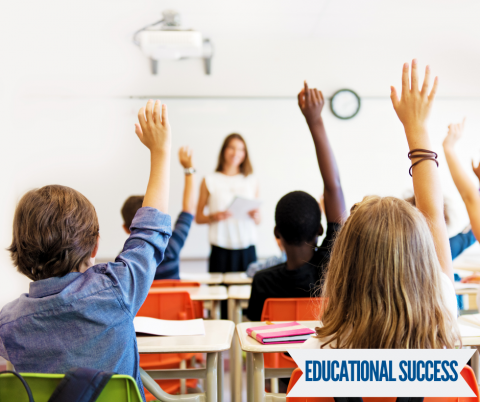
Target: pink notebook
(288, 332)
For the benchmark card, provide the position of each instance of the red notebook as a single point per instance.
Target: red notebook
(288, 332)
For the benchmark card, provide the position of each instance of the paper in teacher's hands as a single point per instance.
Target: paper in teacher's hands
(240, 207)
(155, 326)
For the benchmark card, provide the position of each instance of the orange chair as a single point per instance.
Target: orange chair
(174, 283)
(167, 306)
(467, 374)
(290, 309)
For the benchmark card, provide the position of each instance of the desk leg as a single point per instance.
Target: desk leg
(474, 362)
(250, 377)
(233, 355)
(211, 378)
(235, 315)
(183, 382)
(258, 377)
(215, 313)
(220, 370)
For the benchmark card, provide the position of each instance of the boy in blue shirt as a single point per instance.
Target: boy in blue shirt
(169, 268)
(78, 314)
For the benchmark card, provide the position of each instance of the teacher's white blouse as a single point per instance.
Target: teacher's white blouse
(232, 233)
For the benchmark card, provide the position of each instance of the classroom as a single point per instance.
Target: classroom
(194, 193)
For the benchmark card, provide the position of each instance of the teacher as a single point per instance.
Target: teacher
(232, 240)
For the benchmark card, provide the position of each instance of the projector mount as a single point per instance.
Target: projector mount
(169, 42)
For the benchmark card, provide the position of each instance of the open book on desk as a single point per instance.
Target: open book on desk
(155, 326)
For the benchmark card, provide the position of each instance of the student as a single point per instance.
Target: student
(458, 243)
(466, 187)
(389, 282)
(297, 219)
(78, 314)
(169, 268)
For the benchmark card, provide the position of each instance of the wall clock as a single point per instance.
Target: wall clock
(345, 104)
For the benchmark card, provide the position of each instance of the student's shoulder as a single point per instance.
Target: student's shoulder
(268, 273)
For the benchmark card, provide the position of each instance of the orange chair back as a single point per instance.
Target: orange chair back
(174, 283)
(168, 306)
(467, 374)
(290, 309)
(293, 309)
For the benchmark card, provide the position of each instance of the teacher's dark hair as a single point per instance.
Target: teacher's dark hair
(245, 166)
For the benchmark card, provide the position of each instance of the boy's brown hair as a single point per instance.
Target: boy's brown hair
(55, 230)
(130, 208)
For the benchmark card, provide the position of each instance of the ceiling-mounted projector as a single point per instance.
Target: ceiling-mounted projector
(169, 42)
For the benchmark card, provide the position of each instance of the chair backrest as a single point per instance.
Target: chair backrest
(120, 388)
(467, 373)
(168, 306)
(302, 309)
(174, 283)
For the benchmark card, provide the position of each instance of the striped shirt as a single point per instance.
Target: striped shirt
(170, 266)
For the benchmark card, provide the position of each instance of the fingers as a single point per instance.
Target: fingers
(165, 121)
(156, 112)
(301, 98)
(394, 97)
(431, 97)
(426, 81)
(405, 80)
(138, 131)
(149, 112)
(141, 119)
(414, 76)
(315, 96)
(307, 93)
(473, 166)
(321, 96)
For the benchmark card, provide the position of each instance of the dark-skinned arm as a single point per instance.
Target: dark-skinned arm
(311, 103)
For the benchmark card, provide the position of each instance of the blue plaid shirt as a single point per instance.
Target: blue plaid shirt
(86, 319)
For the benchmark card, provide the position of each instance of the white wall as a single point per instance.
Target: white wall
(69, 68)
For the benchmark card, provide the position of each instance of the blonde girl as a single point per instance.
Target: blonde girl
(389, 282)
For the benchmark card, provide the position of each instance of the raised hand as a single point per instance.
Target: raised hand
(311, 103)
(185, 156)
(153, 128)
(415, 104)
(455, 132)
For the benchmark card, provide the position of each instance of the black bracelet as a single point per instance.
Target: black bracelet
(421, 160)
(430, 153)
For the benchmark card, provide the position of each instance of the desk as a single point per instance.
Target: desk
(203, 278)
(256, 372)
(217, 339)
(238, 296)
(236, 278)
(212, 294)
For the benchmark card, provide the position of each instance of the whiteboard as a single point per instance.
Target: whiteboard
(90, 145)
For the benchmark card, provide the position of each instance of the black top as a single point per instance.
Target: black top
(279, 282)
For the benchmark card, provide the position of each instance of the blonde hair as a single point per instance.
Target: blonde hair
(383, 282)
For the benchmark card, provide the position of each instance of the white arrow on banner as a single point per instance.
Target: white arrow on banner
(381, 372)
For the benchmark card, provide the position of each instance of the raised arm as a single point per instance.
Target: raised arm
(185, 155)
(311, 104)
(413, 110)
(466, 187)
(154, 132)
